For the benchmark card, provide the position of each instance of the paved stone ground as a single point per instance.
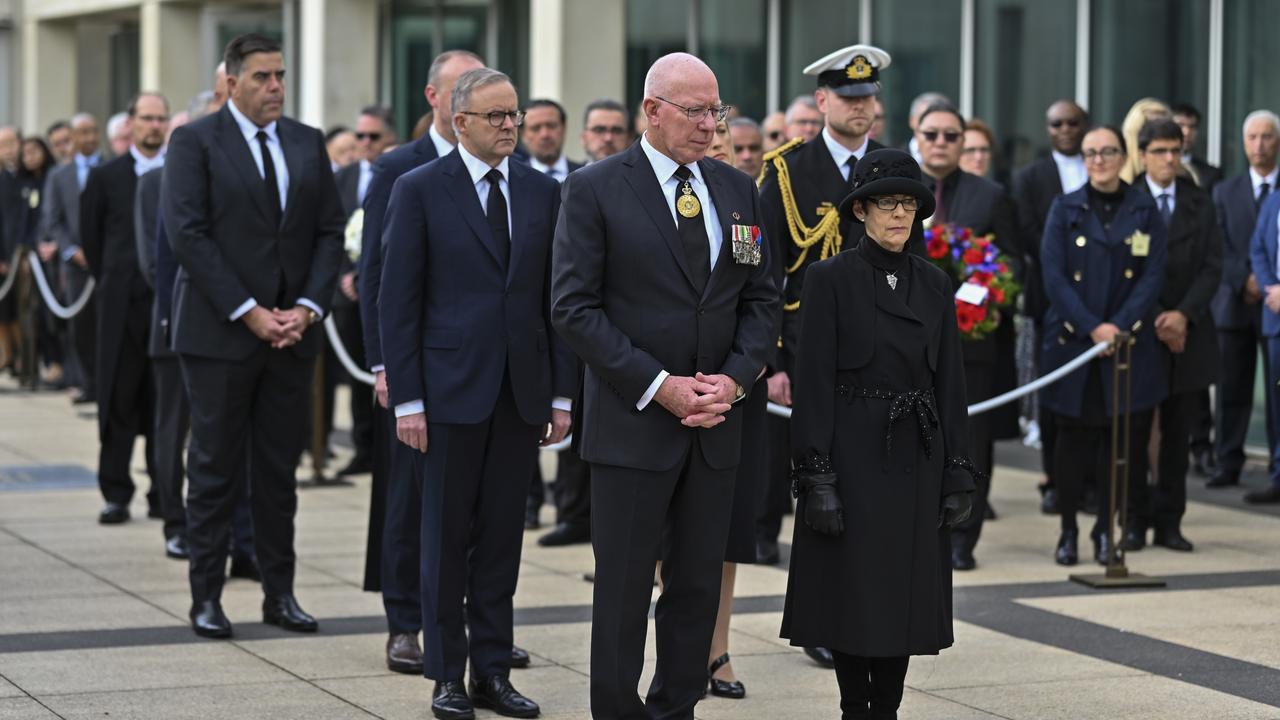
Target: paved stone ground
(93, 619)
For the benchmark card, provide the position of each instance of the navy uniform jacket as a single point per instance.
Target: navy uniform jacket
(1262, 254)
(1091, 276)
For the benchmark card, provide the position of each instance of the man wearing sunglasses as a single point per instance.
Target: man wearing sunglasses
(800, 189)
(968, 201)
(606, 129)
(1034, 189)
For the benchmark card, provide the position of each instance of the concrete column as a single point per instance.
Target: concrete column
(48, 71)
(171, 64)
(339, 58)
(578, 55)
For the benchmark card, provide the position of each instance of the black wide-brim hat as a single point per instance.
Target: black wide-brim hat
(887, 171)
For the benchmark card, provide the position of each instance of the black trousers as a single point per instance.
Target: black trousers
(775, 491)
(395, 521)
(172, 420)
(1163, 506)
(1234, 396)
(870, 687)
(254, 408)
(1084, 450)
(1200, 422)
(473, 497)
(129, 412)
(684, 514)
(572, 489)
(347, 318)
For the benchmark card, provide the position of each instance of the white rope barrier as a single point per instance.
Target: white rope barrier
(12, 274)
(344, 357)
(51, 302)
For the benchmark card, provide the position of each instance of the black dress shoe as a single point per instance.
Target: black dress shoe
(990, 513)
(1223, 479)
(1172, 539)
(565, 534)
(1068, 548)
(83, 398)
(113, 514)
(519, 658)
(176, 547)
(245, 567)
(1133, 540)
(497, 694)
(208, 620)
(1101, 549)
(449, 701)
(820, 655)
(283, 610)
(767, 552)
(531, 520)
(358, 466)
(962, 559)
(1048, 500)
(1270, 496)
(404, 655)
(734, 690)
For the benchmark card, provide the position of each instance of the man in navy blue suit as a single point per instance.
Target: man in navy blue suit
(472, 369)
(395, 506)
(1263, 256)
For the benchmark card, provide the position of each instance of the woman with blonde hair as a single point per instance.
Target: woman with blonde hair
(1144, 110)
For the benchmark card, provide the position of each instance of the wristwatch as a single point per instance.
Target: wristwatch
(312, 317)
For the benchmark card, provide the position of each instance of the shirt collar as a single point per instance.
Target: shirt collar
(478, 168)
(443, 146)
(1061, 159)
(247, 126)
(560, 166)
(663, 166)
(1259, 179)
(1157, 191)
(839, 152)
(87, 160)
(142, 163)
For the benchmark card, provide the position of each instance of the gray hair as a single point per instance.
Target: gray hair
(81, 118)
(926, 100)
(805, 100)
(1261, 115)
(116, 122)
(199, 105)
(745, 122)
(437, 65)
(473, 80)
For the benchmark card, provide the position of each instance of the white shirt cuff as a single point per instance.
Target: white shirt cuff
(244, 308)
(653, 390)
(307, 302)
(378, 368)
(413, 407)
(562, 403)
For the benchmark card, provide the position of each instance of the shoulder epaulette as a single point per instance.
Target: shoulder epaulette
(784, 148)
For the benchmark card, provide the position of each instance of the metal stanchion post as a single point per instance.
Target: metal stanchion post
(1117, 574)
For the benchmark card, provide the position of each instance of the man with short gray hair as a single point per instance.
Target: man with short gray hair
(804, 119)
(923, 101)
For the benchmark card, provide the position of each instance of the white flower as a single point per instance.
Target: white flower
(354, 235)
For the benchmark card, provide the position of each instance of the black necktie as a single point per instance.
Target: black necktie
(1263, 189)
(851, 162)
(693, 233)
(496, 209)
(1166, 211)
(269, 179)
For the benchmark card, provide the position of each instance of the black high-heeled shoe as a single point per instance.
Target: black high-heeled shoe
(721, 688)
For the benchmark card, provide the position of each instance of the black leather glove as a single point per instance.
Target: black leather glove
(823, 511)
(955, 509)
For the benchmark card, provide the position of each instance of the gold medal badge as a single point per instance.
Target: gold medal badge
(33, 199)
(1140, 244)
(687, 204)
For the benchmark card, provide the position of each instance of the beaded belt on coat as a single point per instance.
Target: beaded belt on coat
(901, 404)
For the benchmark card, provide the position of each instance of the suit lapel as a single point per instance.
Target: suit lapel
(292, 147)
(724, 209)
(463, 192)
(237, 149)
(645, 185)
(519, 215)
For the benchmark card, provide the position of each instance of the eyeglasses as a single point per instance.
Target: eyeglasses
(976, 151)
(695, 114)
(1106, 153)
(775, 135)
(948, 136)
(498, 117)
(808, 122)
(889, 204)
(607, 130)
(1068, 122)
(1165, 151)
(371, 137)
(152, 118)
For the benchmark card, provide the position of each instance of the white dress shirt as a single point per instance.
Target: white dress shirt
(1071, 171)
(558, 170)
(841, 154)
(1270, 179)
(913, 147)
(250, 132)
(479, 171)
(443, 147)
(362, 184)
(1157, 191)
(84, 163)
(664, 168)
(143, 164)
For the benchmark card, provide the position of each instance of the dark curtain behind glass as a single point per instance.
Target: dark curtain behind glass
(125, 63)
(731, 39)
(1024, 60)
(923, 36)
(810, 30)
(1251, 75)
(413, 49)
(654, 28)
(1147, 48)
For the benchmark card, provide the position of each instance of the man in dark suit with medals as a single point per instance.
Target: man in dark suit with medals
(662, 286)
(254, 219)
(477, 380)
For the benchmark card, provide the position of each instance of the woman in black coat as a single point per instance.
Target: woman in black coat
(879, 432)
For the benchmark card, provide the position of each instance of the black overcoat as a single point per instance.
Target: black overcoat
(882, 587)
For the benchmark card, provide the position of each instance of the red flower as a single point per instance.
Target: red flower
(938, 248)
(973, 256)
(964, 233)
(982, 277)
(1002, 267)
(964, 321)
(980, 312)
(997, 295)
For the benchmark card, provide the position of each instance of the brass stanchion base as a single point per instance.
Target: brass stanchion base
(1117, 577)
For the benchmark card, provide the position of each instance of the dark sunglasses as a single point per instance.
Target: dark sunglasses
(1060, 123)
(775, 134)
(947, 137)
(372, 137)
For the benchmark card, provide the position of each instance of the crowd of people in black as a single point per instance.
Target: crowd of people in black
(650, 303)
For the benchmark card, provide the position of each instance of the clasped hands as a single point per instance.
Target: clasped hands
(281, 328)
(1272, 298)
(699, 401)
(1171, 329)
(412, 429)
